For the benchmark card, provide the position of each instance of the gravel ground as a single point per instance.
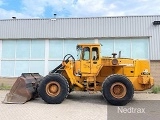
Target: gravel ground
(78, 106)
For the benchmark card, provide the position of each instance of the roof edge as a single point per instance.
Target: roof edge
(80, 17)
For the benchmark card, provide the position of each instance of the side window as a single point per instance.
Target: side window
(95, 55)
(86, 53)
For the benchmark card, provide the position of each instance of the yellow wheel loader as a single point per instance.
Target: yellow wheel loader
(115, 77)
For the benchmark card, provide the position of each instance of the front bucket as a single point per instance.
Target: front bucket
(24, 89)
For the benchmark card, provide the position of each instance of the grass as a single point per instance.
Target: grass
(4, 87)
(156, 89)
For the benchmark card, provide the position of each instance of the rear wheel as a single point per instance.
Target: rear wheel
(53, 89)
(117, 90)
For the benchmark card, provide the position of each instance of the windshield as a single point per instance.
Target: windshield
(86, 53)
(79, 51)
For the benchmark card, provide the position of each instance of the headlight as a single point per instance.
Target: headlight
(114, 62)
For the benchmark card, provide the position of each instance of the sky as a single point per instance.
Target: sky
(76, 8)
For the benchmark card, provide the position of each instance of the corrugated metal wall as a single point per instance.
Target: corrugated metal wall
(98, 27)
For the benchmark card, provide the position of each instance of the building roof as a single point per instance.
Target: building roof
(67, 28)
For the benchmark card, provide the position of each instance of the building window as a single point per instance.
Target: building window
(21, 56)
(37, 49)
(8, 49)
(136, 48)
(22, 49)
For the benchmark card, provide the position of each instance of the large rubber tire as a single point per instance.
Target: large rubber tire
(123, 84)
(51, 95)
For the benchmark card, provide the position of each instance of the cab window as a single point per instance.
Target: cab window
(95, 55)
(86, 53)
(79, 52)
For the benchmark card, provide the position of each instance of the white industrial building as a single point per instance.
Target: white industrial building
(38, 45)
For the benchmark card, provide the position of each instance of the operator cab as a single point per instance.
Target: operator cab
(89, 57)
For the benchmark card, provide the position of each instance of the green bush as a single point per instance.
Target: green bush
(156, 89)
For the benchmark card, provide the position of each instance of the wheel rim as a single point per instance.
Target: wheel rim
(53, 88)
(118, 90)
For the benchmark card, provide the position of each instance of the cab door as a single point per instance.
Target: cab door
(85, 60)
(95, 60)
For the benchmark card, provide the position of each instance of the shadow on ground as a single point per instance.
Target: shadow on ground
(79, 97)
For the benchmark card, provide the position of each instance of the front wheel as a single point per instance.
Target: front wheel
(53, 89)
(117, 90)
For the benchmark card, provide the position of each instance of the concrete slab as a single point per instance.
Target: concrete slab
(78, 106)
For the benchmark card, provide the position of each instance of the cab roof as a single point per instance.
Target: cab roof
(88, 44)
